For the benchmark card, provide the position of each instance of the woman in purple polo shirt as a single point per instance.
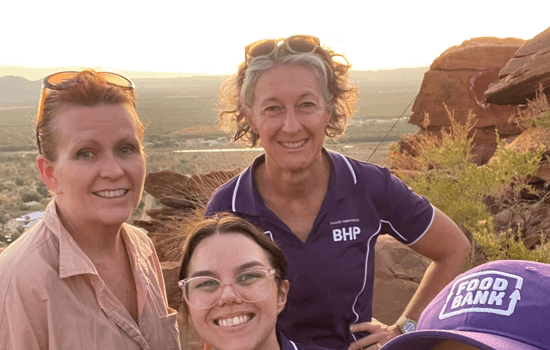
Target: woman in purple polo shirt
(325, 210)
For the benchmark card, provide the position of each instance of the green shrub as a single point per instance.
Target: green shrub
(448, 178)
(29, 196)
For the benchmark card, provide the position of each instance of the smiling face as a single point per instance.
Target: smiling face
(99, 171)
(290, 115)
(233, 323)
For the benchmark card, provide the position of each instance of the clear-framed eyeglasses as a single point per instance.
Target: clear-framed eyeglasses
(204, 292)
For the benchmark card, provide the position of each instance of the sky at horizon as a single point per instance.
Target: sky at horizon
(208, 37)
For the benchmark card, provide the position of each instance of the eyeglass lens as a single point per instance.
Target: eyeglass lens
(262, 48)
(304, 44)
(55, 79)
(111, 78)
(204, 292)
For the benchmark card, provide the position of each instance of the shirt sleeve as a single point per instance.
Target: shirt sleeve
(404, 214)
(23, 324)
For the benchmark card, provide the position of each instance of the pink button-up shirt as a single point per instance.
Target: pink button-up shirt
(51, 296)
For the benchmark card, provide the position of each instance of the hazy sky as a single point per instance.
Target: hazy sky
(201, 36)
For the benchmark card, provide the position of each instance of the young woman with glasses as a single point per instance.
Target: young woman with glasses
(233, 283)
(323, 209)
(82, 278)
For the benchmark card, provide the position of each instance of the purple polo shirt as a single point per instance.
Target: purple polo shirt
(331, 274)
(290, 345)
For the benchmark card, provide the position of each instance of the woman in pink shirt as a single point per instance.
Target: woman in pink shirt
(82, 278)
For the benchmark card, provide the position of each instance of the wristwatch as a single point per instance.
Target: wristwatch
(406, 325)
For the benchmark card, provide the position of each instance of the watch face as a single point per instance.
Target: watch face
(409, 327)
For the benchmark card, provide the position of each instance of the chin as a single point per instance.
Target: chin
(115, 217)
(235, 345)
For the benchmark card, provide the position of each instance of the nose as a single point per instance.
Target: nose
(229, 295)
(291, 122)
(111, 167)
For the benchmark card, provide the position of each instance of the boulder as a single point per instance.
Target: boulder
(398, 272)
(457, 79)
(522, 74)
(531, 140)
(478, 54)
(525, 215)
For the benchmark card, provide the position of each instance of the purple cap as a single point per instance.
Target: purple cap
(502, 305)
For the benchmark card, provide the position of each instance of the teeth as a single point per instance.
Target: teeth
(235, 321)
(110, 194)
(293, 144)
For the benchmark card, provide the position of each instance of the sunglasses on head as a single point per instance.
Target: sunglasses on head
(294, 44)
(53, 81)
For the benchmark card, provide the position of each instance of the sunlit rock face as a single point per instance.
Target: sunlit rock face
(522, 74)
(458, 79)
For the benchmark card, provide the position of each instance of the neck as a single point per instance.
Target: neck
(298, 183)
(94, 240)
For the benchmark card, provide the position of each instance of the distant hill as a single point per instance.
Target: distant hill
(15, 90)
(178, 103)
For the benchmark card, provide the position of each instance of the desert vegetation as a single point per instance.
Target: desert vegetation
(441, 169)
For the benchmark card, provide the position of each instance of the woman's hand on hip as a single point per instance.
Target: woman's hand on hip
(380, 333)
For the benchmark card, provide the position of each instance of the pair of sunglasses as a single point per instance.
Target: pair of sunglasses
(295, 44)
(53, 81)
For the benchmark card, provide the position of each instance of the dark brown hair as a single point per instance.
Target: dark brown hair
(226, 223)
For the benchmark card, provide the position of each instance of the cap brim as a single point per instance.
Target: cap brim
(425, 339)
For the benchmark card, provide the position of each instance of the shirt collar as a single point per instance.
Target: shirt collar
(246, 197)
(72, 259)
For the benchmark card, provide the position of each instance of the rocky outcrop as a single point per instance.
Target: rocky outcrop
(458, 79)
(531, 140)
(398, 272)
(521, 76)
(182, 198)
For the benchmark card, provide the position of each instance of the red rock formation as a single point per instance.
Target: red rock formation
(521, 76)
(398, 272)
(458, 79)
(531, 140)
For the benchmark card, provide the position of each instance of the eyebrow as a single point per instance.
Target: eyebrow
(238, 269)
(276, 99)
(248, 265)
